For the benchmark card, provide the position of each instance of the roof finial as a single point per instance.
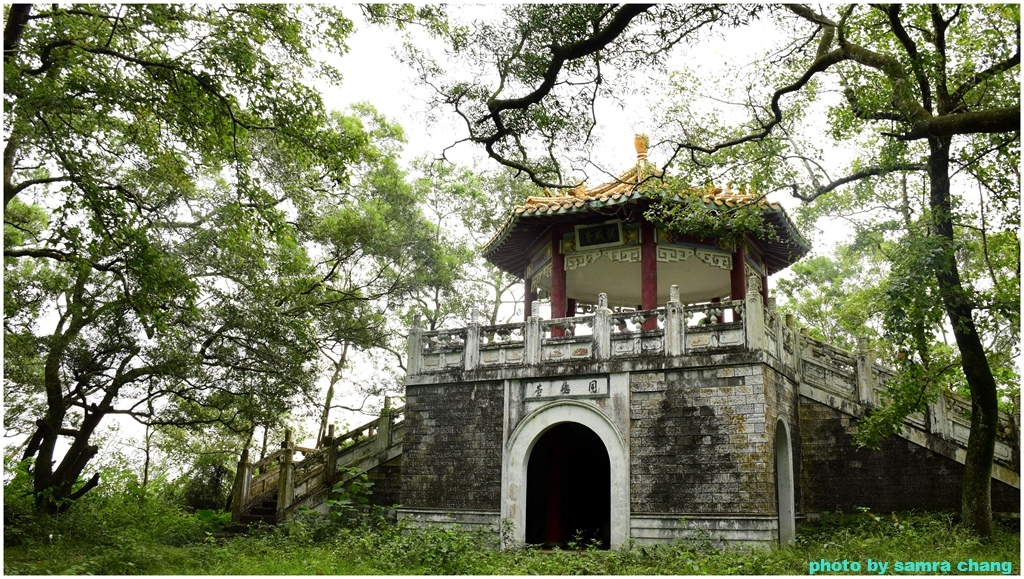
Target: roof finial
(641, 142)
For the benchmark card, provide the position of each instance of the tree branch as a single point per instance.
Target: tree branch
(870, 172)
(902, 96)
(559, 56)
(979, 77)
(893, 12)
(1001, 120)
(43, 253)
(820, 64)
(15, 27)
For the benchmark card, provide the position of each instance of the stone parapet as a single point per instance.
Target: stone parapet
(674, 330)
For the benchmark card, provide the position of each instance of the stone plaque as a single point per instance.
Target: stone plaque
(565, 387)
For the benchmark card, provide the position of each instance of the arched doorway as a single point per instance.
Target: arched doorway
(524, 438)
(568, 489)
(784, 483)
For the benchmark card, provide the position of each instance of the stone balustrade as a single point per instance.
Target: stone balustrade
(604, 335)
(307, 481)
(855, 382)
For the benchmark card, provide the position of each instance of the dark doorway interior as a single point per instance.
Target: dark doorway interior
(568, 489)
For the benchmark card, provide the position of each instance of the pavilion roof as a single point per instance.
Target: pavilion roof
(640, 185)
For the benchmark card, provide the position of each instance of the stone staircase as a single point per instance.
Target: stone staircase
(304, 476)
(853, 383)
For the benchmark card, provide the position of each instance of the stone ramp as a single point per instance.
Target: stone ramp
(307, 481)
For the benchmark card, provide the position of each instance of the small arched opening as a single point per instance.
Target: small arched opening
(568, 489)
(784, 488)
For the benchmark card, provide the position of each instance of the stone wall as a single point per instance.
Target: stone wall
(781, 396)
(698, 442)
(387, 483)
(838, 476)
(452, 447)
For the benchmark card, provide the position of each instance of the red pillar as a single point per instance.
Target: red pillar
(738, 277)
(527, 298)
(557, 282)
(648, 273)
(764, 289)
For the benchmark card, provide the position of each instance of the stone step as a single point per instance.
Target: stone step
(248, 520)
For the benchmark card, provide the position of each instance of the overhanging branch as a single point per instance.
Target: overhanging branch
(870, 172)
(1001, 120)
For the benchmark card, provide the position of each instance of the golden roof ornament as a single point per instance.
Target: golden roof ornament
(641, 141)
(579, 191)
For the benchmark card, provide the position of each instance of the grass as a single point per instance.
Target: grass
(153, 538)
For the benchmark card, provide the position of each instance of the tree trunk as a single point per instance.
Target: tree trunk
(339, 365)
(976, 498)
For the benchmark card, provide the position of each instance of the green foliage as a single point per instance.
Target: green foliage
(350, 495)
(835, 297)
(121, 529)
(374, 546)
(688, 213)
(206, 485)
(186, 225)
(465, 207)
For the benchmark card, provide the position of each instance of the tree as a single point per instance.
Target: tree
(466, 207)
(551, 65)
(923, 89)
(835, 296)
(185, 224)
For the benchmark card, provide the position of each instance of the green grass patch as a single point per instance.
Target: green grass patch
(153, 538)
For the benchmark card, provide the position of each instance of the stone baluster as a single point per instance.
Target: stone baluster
(794, 338)
(602, 329)
(243, 485)
(332, 456)
(532, 340)
(780, 350)
(384, 426)
(471, 347)
(753, 314)
(938, 419)
(413, 349)
(865, 372)
(286, 478)
(675, 325)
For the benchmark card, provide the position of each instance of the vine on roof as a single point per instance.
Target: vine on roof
(690, 213)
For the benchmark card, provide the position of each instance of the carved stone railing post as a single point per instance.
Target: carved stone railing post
(532, 341)
(471, 348)
(780, 349)
(602, 329)
(242, 486)
(938, 419)
(384, 425)
(865, 372)
(331, 462)
(286, 478)
(753, 314)
(675, 325)
(413, 350)
(794, 339)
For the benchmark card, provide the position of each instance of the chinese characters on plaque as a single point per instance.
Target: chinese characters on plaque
(576, 386)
